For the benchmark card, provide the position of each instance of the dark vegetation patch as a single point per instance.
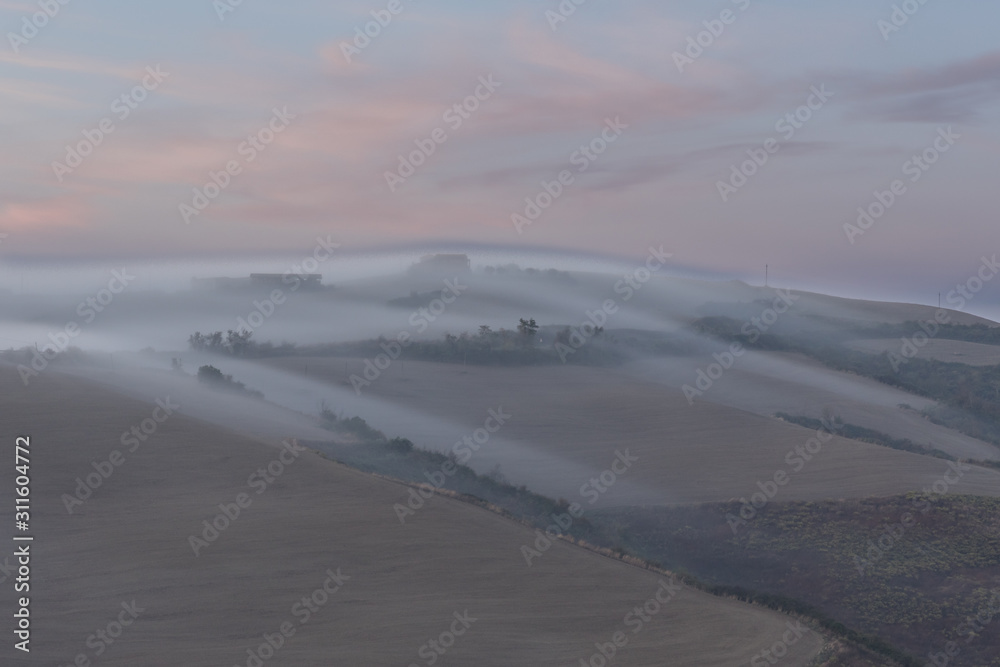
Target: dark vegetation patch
(213, 377)
(907, 570)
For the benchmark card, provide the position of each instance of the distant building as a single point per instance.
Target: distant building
(442, 264)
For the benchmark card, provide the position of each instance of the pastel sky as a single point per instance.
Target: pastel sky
(893, 94)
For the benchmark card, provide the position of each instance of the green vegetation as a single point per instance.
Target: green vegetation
(237, 344)
(354, 426)
(526, 345)
(213, 377)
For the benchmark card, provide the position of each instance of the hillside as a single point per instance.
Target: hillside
(130, 541)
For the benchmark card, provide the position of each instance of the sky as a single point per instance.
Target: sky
(171, 131)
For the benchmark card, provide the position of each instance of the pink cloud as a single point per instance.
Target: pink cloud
(44, 214)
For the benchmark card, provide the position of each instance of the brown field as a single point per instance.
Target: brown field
(578, 417)
(959, 351)
(129, 541)
(769, 382)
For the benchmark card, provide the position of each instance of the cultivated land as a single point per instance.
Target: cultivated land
(767, 383)
(129, 541)
(580, 416)
(565, 426)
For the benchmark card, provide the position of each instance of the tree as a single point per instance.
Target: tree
(212, 375)
(527, 329)
(238, 342)
(197, 342)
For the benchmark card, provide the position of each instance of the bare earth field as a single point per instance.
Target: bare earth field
(769, 382)
(401, 584)
(687, 453)
(959, 351)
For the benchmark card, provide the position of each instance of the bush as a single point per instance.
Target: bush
(213, 377)
(353, 425)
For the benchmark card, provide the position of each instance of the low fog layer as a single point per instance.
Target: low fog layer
(131, 336)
